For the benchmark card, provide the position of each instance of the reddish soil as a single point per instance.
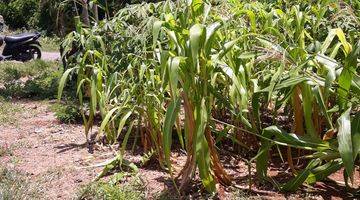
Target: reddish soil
(56, 157)
(46, 149)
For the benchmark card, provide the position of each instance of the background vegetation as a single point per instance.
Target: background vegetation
(54, 17)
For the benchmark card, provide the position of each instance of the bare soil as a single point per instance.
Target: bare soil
(50, 56)
(56, 157)
(45, 149)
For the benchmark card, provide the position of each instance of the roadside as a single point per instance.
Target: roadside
(50, 56)
(52, 155)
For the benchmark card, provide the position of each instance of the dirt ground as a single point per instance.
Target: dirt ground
(43, 148)
(50, 56)
(55, 156)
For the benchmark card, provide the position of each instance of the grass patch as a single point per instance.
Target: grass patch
(8, 111)
(14, 185)
(10, 71)
(31, 79)
(134, 189)
(67, 112)
(50, 44)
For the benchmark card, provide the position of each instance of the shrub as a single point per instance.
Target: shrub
(67, 113)
(113, 190)
(33, 79)
(20, 13)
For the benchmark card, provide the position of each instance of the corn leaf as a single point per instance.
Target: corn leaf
(355, 135)
(345, 142)
(170, 117)
(63, 80)
(301, 177)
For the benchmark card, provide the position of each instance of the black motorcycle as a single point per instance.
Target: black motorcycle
(22, 47)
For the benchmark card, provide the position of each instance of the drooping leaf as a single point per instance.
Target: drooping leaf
(323, 171)
(197, 37)
(170, 117)
(345, 142)
(202, 149)
(156, 30)
(63, 80)
(355, 135)
(301, 177)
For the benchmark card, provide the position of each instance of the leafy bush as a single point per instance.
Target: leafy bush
(113, 190)
(33, 79)
(20, 13)
(67, 113)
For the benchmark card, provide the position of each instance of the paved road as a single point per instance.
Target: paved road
(50, 56)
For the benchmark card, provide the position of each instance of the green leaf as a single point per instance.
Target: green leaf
(323, 171)
(156, 30)
(226, 48)
(347, 75)
(202, 148)
(355, 135)
(307, 98)
(93, 98)
(197, 6)
(63, 80)
(123, 120)
(336, 32)
(197, 36)
(274, 135)
(107, 118)
(345, 142)
(169, 121)
(125, 140)
(210, 36)
(174, 74)
(320, 100)
(300, 178)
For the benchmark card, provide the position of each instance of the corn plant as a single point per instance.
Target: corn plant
(186, 67)
(294, 82)
(190, 60)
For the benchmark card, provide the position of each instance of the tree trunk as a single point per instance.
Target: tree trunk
(85, 13)
(95, 12)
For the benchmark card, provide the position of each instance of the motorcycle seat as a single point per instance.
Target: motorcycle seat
(19, 38)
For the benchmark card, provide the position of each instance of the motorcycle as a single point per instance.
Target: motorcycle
(21, 47)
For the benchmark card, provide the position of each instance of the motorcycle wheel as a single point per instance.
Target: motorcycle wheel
(31, 52)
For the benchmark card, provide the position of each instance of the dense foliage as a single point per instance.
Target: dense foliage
(54, 16)
(19, 12)
(214, 71)
(31, 14)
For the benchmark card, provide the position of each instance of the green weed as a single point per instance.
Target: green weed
(14, 185)
(66, 112)
(50, 44)
(8, 111)
(100, 190)
(32, 79)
